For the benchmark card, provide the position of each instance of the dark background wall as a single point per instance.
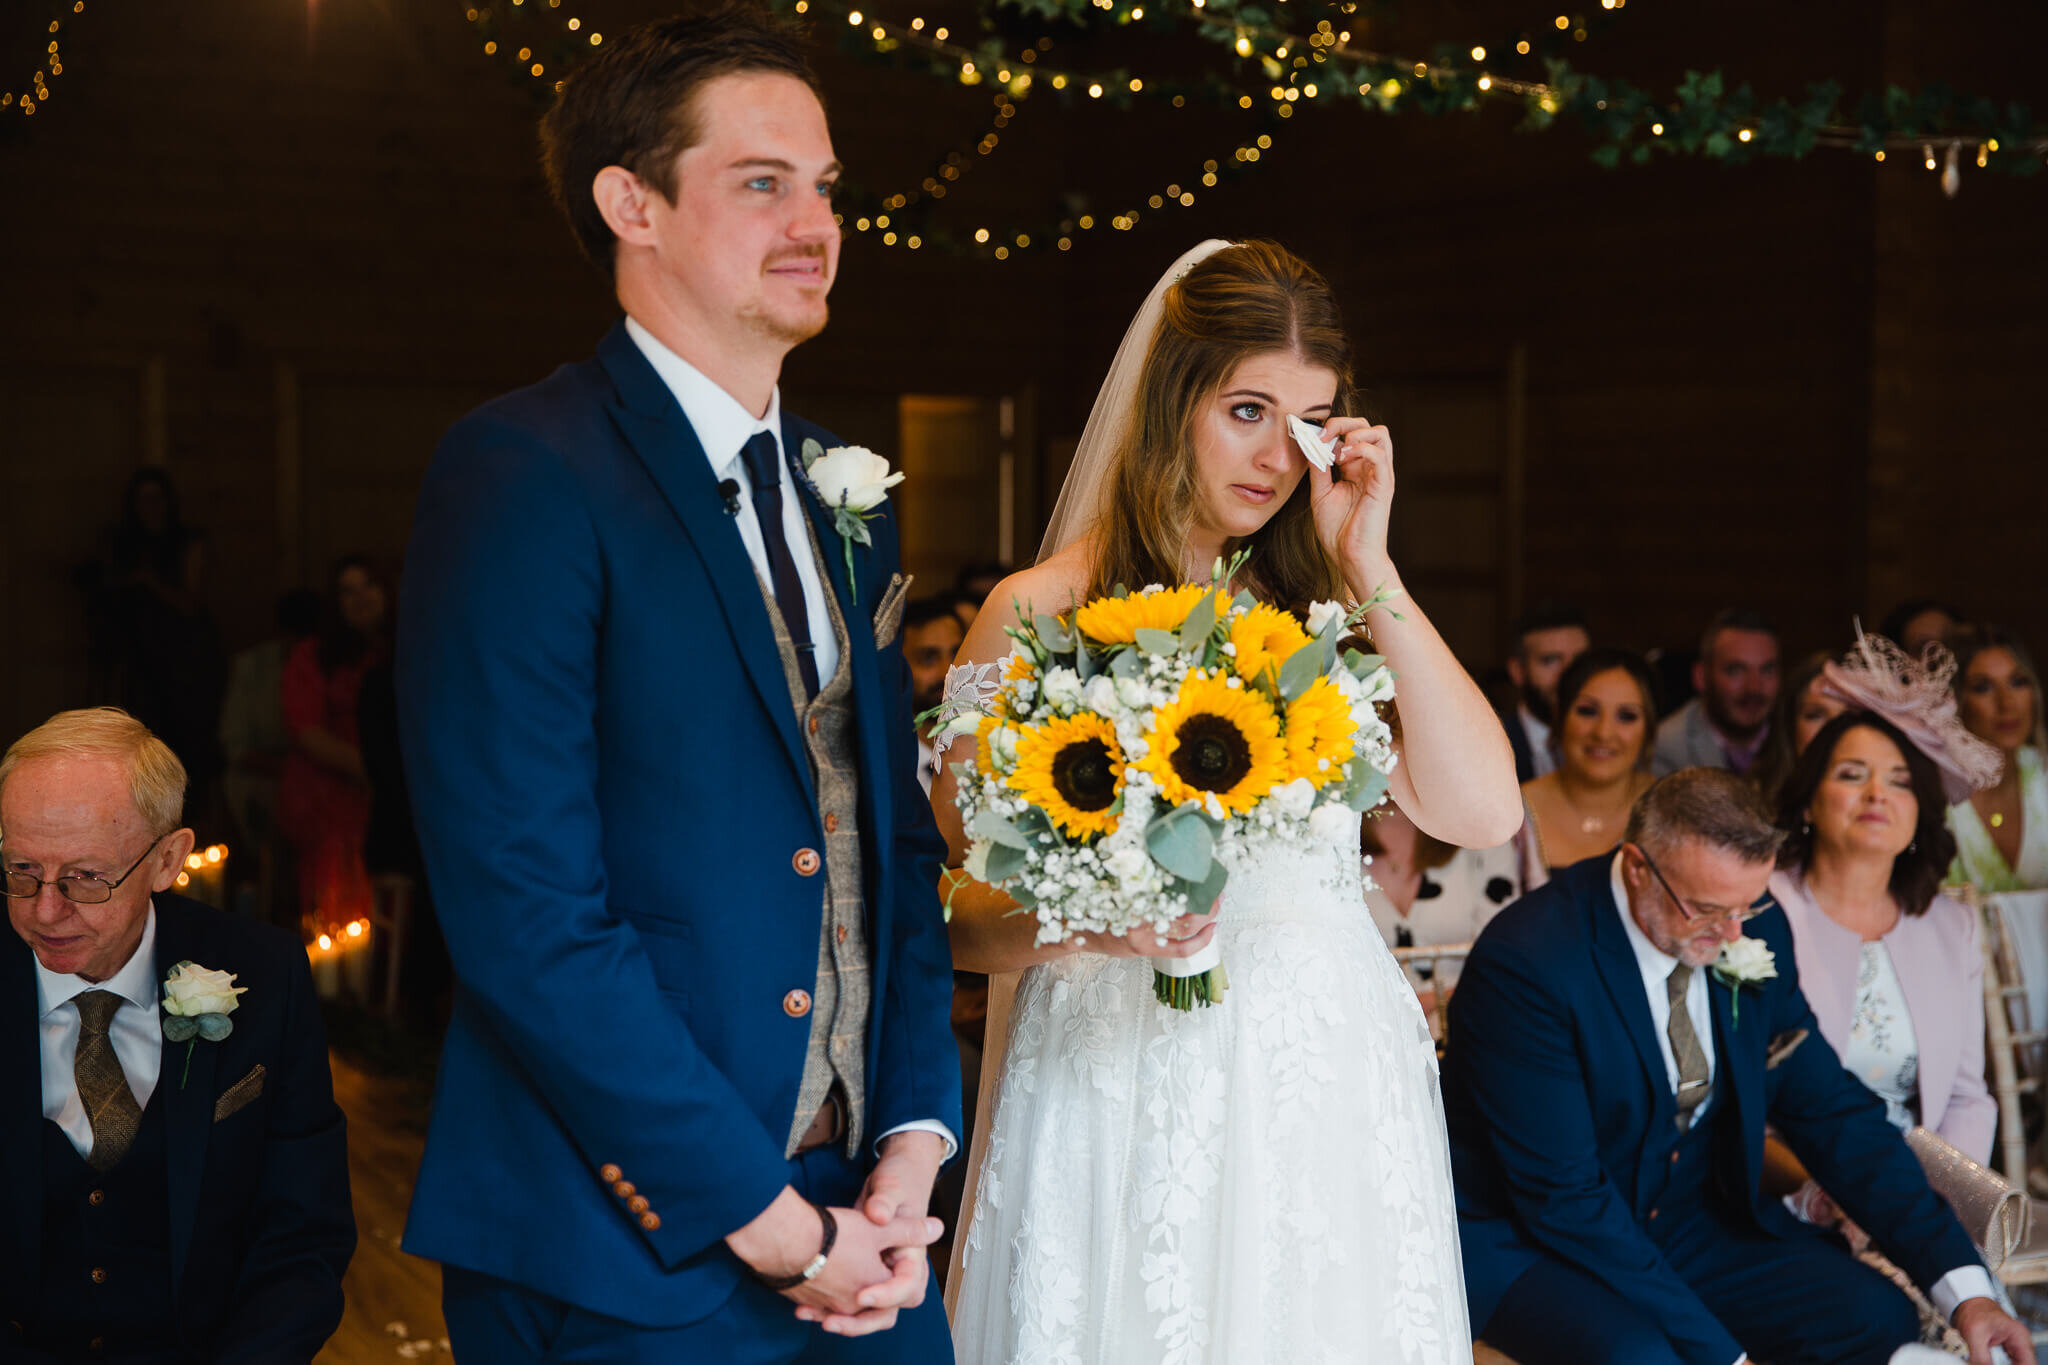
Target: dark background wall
(276, 247)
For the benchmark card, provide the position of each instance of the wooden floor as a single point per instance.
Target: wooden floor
(394, 1300)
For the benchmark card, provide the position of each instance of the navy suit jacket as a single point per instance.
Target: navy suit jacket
(261, 1228)
(612, 794)
(1554, 1082)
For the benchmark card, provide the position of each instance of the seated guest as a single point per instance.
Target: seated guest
(2002, 832)
(1920, 622)
(1737, 681)
(175, 1197)
(1607, 1095)
(931, 637)
(1608, 711)
(1546, 641)
(1803, 706)
(1424, 893)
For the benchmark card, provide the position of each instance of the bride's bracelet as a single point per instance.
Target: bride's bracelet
(816, 1265)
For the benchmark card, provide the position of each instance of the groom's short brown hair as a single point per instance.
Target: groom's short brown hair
(633, 104)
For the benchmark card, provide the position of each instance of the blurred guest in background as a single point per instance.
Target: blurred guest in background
(973, 584)
(1424, 893)
(1607, 711)
(323, 797)
(1803, 706)
(157, 652)
(931, 637)
(1737, 681)
(2002, 834)
(254, 738)
(391, 854)
(1918, 622)
(1546, 640)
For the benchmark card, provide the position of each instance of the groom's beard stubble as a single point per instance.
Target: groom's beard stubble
(802, 320)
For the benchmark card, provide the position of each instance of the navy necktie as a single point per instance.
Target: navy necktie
(761, 454)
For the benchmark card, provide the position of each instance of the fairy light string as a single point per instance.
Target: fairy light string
(35, 91)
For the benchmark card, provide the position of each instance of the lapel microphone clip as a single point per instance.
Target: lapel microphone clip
(729, 489)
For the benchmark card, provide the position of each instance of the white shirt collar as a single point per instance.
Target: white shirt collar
(135, 982)
(1654, 962)
(721, 422)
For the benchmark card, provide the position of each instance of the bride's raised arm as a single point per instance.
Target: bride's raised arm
(987, 935)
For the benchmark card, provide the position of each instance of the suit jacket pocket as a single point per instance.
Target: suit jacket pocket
(889, 611)
(239, 1094)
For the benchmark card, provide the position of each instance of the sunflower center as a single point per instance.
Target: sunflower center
(1212, 755)
(1082, 775)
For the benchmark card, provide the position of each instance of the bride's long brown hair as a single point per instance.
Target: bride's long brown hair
(1250, 299)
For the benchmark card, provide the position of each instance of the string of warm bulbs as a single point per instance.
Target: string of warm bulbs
(37, 90)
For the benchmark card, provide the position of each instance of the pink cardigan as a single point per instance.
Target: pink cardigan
(1941, 972)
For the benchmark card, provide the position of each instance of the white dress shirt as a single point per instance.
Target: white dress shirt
(723, 426)
(136, 1031)
(1541, 760)
(1964, 1282)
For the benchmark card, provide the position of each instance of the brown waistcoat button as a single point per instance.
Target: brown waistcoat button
(98, 1276)
(609, 1173)
(814, 725)
(831, 824)
(842, 933)
(650, 1221)
(796, 1004)
(96, 1198)
(805, 862)
(637, 1204)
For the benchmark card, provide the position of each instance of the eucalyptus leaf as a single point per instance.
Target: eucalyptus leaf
(1244, 601)
(1084, 662)
(1367, 787)
(1181, 842)
(1362, 665)
(1203, 894)
(214, 1027)
(179, 1029)
(994, 828)
(1127, 663)
(1034, 822)
(1301, 670)
(1004, 862)
(1052, 634)
(1161, 642)
(811, 451)
(1200, 622)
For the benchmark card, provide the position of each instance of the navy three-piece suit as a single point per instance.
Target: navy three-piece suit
(1593, 1229)
(621, 827)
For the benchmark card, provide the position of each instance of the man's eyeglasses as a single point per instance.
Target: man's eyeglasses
(1740, 914)
(81, 888)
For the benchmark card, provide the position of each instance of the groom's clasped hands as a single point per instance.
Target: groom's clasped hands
(878, 1264)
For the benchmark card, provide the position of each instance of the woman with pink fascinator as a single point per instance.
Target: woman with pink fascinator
(1890, 965)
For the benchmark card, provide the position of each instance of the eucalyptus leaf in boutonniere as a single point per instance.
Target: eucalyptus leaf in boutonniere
(197, 1003)
(1745, 962)
(853, 481)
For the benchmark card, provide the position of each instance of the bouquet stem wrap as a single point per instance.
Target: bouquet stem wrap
(1184, 982)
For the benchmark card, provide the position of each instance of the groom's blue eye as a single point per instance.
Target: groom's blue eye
(761, 182)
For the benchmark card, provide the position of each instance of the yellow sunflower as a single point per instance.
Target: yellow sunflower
(1215, 738)
(1117, 620)
(1319, 729)
(984, 761)
(1073, 770)
(1265, 638)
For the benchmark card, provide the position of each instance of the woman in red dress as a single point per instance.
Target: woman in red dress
(323, 800)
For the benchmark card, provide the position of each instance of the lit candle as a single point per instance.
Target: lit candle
(326, 963)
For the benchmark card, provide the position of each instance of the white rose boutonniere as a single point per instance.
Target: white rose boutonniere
(853, 481)
(1745, 962)
(197, 1003)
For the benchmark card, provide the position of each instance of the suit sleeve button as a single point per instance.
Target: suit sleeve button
(609, 1173)
(99, 1276)
(650, 1221)
(637, 1204)
(805, 862)
(623, 1189)
(796, 1004)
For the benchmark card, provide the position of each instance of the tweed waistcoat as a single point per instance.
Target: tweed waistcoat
(842, 999)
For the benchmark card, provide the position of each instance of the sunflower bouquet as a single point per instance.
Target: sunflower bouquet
(1124, 748)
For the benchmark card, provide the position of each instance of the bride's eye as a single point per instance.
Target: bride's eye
(1247, 412)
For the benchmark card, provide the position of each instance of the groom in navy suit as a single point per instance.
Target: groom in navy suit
(1607, 1089)
(699, 1077)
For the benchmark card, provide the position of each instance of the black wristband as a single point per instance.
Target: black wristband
(811, 1271)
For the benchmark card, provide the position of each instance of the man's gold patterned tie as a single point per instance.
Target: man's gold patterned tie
(110, 1105)
(1685, 1047)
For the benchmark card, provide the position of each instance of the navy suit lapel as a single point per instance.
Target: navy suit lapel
(21, 1122)
(653, 425)
(1622, 975)
(187, 1097)
(870, 705)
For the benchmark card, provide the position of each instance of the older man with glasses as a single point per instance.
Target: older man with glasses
(1619, 1039)
(176, 1176)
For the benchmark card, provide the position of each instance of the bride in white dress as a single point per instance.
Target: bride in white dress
(1265, 1179)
